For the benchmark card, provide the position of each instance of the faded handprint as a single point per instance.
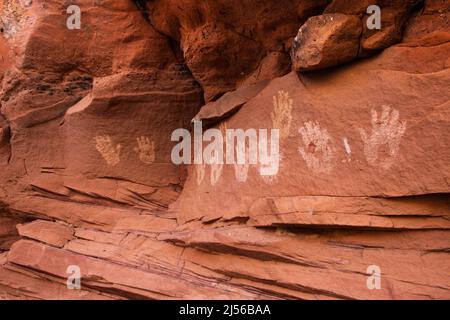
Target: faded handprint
(146, 149)
(200, 172)
(110, 153)
(241, 170)
(388, 131)
(216, 173)
(217, 168)
(318, 152)
(2, 135)
(270, 179)
(282, 113)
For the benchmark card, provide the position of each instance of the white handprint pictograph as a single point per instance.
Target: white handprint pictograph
(241, 170)
(200, 172)
(216, 173)
(110, 153)
(318, 152)
(282, 113)
(386, 131)
(217, 167)
(269, 179)
(146, 150)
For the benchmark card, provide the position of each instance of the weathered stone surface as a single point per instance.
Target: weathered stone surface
(393, 20)
(8, 232)
(117, 279)
(394, 16)
(55, 234)
(87, 179)
(304, 263)
(377, 128)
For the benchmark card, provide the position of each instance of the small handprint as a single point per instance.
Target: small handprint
(269, 168)
(146, 149)
(110, 153)
(388, 131)
(318, 152)
(282, 113)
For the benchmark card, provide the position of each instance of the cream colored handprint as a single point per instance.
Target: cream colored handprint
(110, 153)
(282, 113)
(146, 149)
(241, 170)
(200, 172)
(318, 152)
(386, 131)
(217, 168)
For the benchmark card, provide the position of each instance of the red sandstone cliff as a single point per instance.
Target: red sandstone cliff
(87, 178)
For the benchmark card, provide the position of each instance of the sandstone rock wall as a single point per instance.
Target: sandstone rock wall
(87, 179)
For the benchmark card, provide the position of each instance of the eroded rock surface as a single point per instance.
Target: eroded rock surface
(87, 179)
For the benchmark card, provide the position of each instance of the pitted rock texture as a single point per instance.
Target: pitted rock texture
(87, 177)
(325, 41)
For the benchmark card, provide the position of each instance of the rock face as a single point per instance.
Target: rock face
(352, 202)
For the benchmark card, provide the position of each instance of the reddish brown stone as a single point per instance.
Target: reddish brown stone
(55, 234)
(87, 179)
